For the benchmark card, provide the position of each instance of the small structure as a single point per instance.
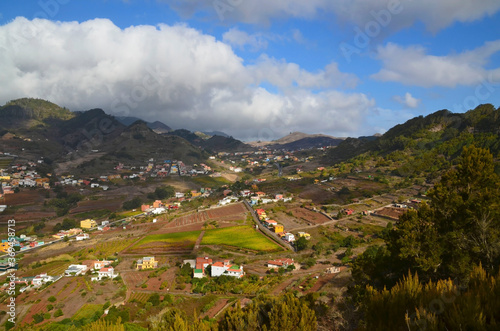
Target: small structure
(148, 262)
(88, 224)
(289, 237)
(333, 270)
(75, 270)
(41, 279)
(278, 228)
(304, 234)
(106, 272)
(82, 236)
(279, 263)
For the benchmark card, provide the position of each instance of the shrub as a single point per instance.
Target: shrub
(52, 299)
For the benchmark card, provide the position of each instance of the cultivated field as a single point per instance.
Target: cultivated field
(163, 243)
(309, 216)
(239, 236)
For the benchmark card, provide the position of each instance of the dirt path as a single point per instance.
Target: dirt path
(198, 241)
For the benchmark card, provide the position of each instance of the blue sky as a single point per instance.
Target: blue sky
(255, 69)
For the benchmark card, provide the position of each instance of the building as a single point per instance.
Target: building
(147, 263)
(305, 235)
(82, 236)
(97, 265)
(107, 272)
(278, 228)
(41, 279)
(289, 237)
(75, 270)
(279, 263)
(270, 223)
(226, 269)
(88, 224)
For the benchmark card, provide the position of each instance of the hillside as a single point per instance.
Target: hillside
(423, 147)
(29, 112)
(298, 141)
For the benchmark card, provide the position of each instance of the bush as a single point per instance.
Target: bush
(52, 299)
(58, 313)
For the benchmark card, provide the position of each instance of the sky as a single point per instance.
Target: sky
(258, 69)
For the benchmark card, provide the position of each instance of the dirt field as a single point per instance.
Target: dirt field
(390, 212)
(308, 216)
(225, 216)
(89, 205)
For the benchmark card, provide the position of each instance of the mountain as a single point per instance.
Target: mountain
(88, 142)
(300, 140)
(156, 126)
(216, 133)
(29, 112)
(213, 144)
(440, 134)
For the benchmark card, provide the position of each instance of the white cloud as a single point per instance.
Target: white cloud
(436, 15)
(407, 100)
(412, 66)
(174, 74)
(240, 39)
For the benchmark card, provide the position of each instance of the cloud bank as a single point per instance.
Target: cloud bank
(174, 74)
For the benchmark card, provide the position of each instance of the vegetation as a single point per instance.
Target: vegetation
(239, 236)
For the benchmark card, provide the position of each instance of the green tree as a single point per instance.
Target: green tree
(301, 243)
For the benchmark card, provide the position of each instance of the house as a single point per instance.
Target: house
(198, 273)
(270, 223)
(333, 270)
(279, 263)
(348, 211)
(41, 279)
(203, 262)
(226, 269)
(97, 265)
(305, 235)
(289, 237)
(278, 228)
(279, 196)
(145, 207)
(88, 224)
(75, 270)
(82, 236)
(108, 272)
(157, 204)
(147, 263)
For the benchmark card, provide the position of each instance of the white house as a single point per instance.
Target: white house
(108, 272)
(279, 263)
(41, 279)
(97, 265)
(227, 269)
(289, 237)
(82, 236)
(75, 270)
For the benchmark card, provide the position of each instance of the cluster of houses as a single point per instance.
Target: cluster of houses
(219, 268)
(35, 281)
(101, 269)
(272, 225)
(21, 175)
(278, 229)
(23, 242)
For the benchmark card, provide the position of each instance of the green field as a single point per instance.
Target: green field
(88, 311)
(211, 182)
(239, 236)
(186, 239)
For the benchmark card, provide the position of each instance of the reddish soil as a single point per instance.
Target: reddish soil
(89, 205)
(22, 216)
(215, 309)
(310, 217)
(390, 212)
(25, 197)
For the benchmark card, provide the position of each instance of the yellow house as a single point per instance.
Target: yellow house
(278, 228)
(305, 235)
(147, 263)
(4, 247)
(88, 223)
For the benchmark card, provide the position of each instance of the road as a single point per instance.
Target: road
(58, 240)
(265, 230)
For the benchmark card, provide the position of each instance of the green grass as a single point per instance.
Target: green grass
(239, 236)
(211, 182)
(87, 311)
(104, 249)
(129, 213)
(170, 239)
